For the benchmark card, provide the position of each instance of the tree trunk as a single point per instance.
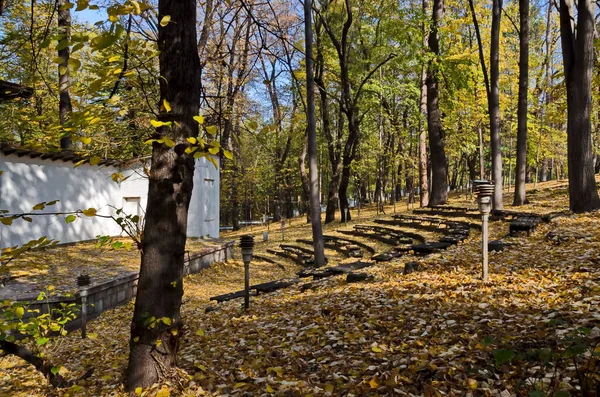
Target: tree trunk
(423, 179)
(521, 168)
(494, 104)
(315, 206)
(304, 177)
(439, 162)
(64, 80)
(156, 325)
(578, 58)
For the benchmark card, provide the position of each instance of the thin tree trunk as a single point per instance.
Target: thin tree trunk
(439, 162)
(578, 58)
(315, 206)
(494, 104)
(156, 325)
(423, 180)
(64, 80)
(521, 168)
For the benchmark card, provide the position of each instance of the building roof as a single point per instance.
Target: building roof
(10, 91)
(66, 156)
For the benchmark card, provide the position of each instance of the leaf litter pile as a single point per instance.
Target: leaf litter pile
(534, 329)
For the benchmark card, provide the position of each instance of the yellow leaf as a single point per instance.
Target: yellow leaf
(167, 105)
(199, 119)
(374, 383)
(169, 142)
(89, 212)
(163, 392)
(192, 140)
(228, 154)
(92, 336)
(239, 385)
(213, 150)
(138, 390)
(329, 389)
(376, 349)
(156, 123)
(114, 58)
(95, 160)
(165, 20)
(166, 320)
(113, 18)
(85, 140)
(19, 312)
(212, 130)
(270, 389)
(200, 332)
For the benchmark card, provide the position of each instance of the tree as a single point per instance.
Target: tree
(494, 104)
(439, 162)
(423, 176)
(578, 58)
(64, 81)
(315, 207)
(156, 324)
(521, 169)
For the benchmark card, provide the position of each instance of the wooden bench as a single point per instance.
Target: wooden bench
(523, 224)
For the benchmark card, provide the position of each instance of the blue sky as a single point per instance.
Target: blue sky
(90, 16)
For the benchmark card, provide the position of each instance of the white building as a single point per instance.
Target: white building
(30, 177)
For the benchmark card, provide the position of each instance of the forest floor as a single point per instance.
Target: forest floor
(533, 329)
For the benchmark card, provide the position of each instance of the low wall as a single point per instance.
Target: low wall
(118, 291)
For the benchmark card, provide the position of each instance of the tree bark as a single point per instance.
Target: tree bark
(156, 325)
(315, 205)
(494, 104)
(521, 167)
(423, 177)
(64, 80)
(439, 162)
(578, 59)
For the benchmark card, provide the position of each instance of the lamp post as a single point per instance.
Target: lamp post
(247, 246)
(485, 191)
(83, 282)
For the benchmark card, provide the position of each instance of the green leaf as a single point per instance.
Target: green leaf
(54, 370)
(41, 341)
(537, 393)
(82, 5)
(503, 356)
(70, 218)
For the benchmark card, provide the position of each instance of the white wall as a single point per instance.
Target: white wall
(26, 182)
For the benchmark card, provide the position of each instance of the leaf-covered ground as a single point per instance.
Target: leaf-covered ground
(439, 331)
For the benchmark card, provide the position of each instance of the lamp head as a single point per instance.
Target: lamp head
(247, 246)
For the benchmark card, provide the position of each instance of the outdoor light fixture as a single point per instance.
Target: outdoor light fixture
(83, 281)
(485, 191)
(247, 246)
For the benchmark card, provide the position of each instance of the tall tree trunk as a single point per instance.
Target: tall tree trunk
(578, 59)
(494, 104)
(64, 81)
(521, 168)
(156, 324)
(423, 177)
(439, 162)
(304, 177)
(315, 205)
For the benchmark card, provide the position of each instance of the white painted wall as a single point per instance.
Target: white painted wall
(26, 182)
